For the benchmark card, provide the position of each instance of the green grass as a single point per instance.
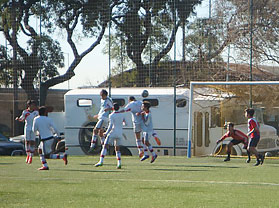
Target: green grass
(169, 182)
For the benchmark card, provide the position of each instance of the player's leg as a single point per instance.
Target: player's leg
(95, 135)
(155, 135)
(248, 152)
(42, 157)
(118, 156)
(49, 147)
(252, 149)
(101, 135)
(31, 140)
(147, 143)
(137, 131)
(229, 149)
(103, 152)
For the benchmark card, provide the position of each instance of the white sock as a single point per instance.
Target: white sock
(139, 145)
(93, 140)
(151, 150)
(118, 157)
(43, 160)
(103, 154)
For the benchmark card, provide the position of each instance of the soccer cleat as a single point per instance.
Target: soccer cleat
(227, 159)
(43, 168)
(65, 158)
(158, 141)
(248, 160)
(153, 158)
(262, 158)
(118, 167)
(144, 157)
(30, 160)
(257, 163)
(98, 164)
(141, 154)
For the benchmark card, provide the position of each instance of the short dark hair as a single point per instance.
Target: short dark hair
(230, 124)
(132, 98)
(42, 111)
(250, 111)
(115, 106)
(30, 102)
(103, 91)
(146, 104)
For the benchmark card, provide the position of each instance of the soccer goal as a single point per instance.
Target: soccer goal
(212, 104)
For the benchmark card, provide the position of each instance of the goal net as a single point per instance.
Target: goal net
(212, 104)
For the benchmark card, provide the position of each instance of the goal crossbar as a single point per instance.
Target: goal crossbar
(192, 84)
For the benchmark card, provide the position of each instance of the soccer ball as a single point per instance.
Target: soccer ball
(144, 93)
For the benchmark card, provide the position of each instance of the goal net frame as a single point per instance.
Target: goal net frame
(191, 99)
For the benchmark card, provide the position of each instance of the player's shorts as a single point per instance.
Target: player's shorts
(235, 142)
(146, 136)
(114, 139)
(47, 145)
(29, 135)
(102, 124)
(137, 127)
(254, 141)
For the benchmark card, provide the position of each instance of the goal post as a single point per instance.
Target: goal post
(210, 102)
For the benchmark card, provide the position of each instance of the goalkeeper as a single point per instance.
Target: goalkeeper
(238, 137)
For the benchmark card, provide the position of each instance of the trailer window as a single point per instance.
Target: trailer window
(84, 102)
(119, 101)
(153, 102)
(180, 103)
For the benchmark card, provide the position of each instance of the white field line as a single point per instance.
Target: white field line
(79, 180)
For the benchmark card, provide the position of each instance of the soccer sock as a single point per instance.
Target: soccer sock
(145, 149)
(56, 156)
(139, 145)
(32, 150)
(102, 140)
(93, 141)
(248, 154)
(229, 154)
(103, 154)
(118, 157)
(151, 150)
(43, 160)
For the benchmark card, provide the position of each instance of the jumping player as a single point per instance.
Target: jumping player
(113, 135)
(106, 107)
(147, 130)
(238, 137)
(28, 116)
(46, 128)
(254, 134)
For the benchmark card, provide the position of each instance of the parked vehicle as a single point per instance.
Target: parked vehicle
(10, 148)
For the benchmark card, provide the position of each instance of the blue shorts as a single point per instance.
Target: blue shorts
(254, 141)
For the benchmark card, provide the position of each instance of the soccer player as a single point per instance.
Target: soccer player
(254, 134)
(46, 128)
(238, 137)
(106, 107)
(113, 135)
(28, 116)
(147, 130)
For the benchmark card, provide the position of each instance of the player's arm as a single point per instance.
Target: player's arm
(21, 118)
(222, 138)
(109, 106)
(55, 130)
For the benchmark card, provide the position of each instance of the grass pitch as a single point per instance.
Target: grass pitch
(168, 182)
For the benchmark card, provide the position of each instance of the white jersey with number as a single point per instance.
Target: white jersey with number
(45, 126)
(105, 104)
(115, 124)
(134, 107)
(28, 116)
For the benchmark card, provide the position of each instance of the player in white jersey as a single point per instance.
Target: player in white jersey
(113, 135)
(147, 130)
(46, 128)
(106, 107)
(28, 116)
(134, 106)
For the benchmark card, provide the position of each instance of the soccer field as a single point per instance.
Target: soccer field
(168, 182)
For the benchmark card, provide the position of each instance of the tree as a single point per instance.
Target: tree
(143, 21)
(42, 53)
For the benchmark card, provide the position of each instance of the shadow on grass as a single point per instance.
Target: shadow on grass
(161, 169)
(7, 163)
(90, 171)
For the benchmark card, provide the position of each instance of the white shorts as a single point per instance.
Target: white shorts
(29, 135)
(137, 127)
(102, 123)
(114, 139)
(47, 146)
(146, 136)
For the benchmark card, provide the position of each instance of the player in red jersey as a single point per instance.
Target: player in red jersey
(238, 137)
(254, 134)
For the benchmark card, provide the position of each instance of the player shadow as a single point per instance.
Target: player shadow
(90, 171)
(205, 166)
(179, 170)
(7, 163)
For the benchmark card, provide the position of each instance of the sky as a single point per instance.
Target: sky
(94, 67)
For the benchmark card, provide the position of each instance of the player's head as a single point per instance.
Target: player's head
(132, 98)
(230, 126)
(145, 106)
(42, 111)
(31, 104)
(104, 94)
(249, 112)
(115, 106)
